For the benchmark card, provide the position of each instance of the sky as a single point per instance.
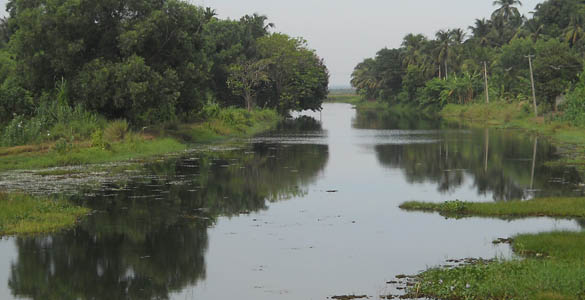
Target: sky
(344, 32)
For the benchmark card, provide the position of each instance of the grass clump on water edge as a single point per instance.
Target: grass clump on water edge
(518, 279)
(22, 214)
(553, 264)
(550, 207)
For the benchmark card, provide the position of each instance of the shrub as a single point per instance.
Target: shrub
(235, 116)
(116, 131)
(210, 111)
(97, 139)
(454, 207)
(64, 146)
(22, 131)
(574, 112)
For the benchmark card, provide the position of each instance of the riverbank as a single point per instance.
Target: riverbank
(22, 214)
(513, 116)
(137, 145)
(552, 264)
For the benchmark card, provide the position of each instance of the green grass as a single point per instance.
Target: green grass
(350, 98)
(551, 207)
(23, 214)
(518, 279)
(553, 266)
(372, 105)
(230, 123)
(518, 115)
(496, 113)
(91, 155)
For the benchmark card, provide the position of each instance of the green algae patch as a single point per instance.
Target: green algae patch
(22, 214)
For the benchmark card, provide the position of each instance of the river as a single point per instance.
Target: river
(307, 211)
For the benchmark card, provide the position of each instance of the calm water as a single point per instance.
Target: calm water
(259, 222)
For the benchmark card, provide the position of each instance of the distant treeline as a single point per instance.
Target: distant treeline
(450, 67)
(148, 61)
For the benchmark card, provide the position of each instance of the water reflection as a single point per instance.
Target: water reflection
(403, 120)
(503, 163)
(149, 235)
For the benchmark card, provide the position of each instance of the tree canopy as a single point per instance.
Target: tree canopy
(449, 67)
(147, 61)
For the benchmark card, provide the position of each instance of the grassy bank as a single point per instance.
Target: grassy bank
(117, 143)
(553, 264)
(513, 115)
(22, 214)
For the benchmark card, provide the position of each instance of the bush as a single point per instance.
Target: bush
(14, 100)
(235, 116)
(97, 140)
(21, 131)
(454, 207)
(64, 146)
(210, 111)
(574, 111)
(116, 131)
(52, 121)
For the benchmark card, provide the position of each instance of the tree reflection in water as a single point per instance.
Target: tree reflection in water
(148, 237)
(503, 163)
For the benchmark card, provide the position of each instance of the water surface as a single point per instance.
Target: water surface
(262, 220)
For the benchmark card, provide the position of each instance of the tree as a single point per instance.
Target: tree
(480, 31)
(298, 77)
(444, 39)
(245, 77)
(389, 71)
(507, 9)
(575, 32)
(364, 80)
(556, 66)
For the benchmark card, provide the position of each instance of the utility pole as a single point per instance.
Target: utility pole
(533, 90)
(485, 76)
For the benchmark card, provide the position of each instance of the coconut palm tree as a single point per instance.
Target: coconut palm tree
(531, 29)
(444, 39)
(364, 78)
(481, 30)
(507, 9)
(575, 32)
(413, 46)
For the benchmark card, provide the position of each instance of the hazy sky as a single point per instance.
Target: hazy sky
(344, 32)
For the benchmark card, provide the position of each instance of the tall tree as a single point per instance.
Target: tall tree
(507, 9)
(481, 30)
(444, 39)
(575, 32)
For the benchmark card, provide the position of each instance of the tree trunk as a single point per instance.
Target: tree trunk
(248, 98)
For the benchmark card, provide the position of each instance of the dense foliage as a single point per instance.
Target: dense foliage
(449, 68)
(147, 61)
